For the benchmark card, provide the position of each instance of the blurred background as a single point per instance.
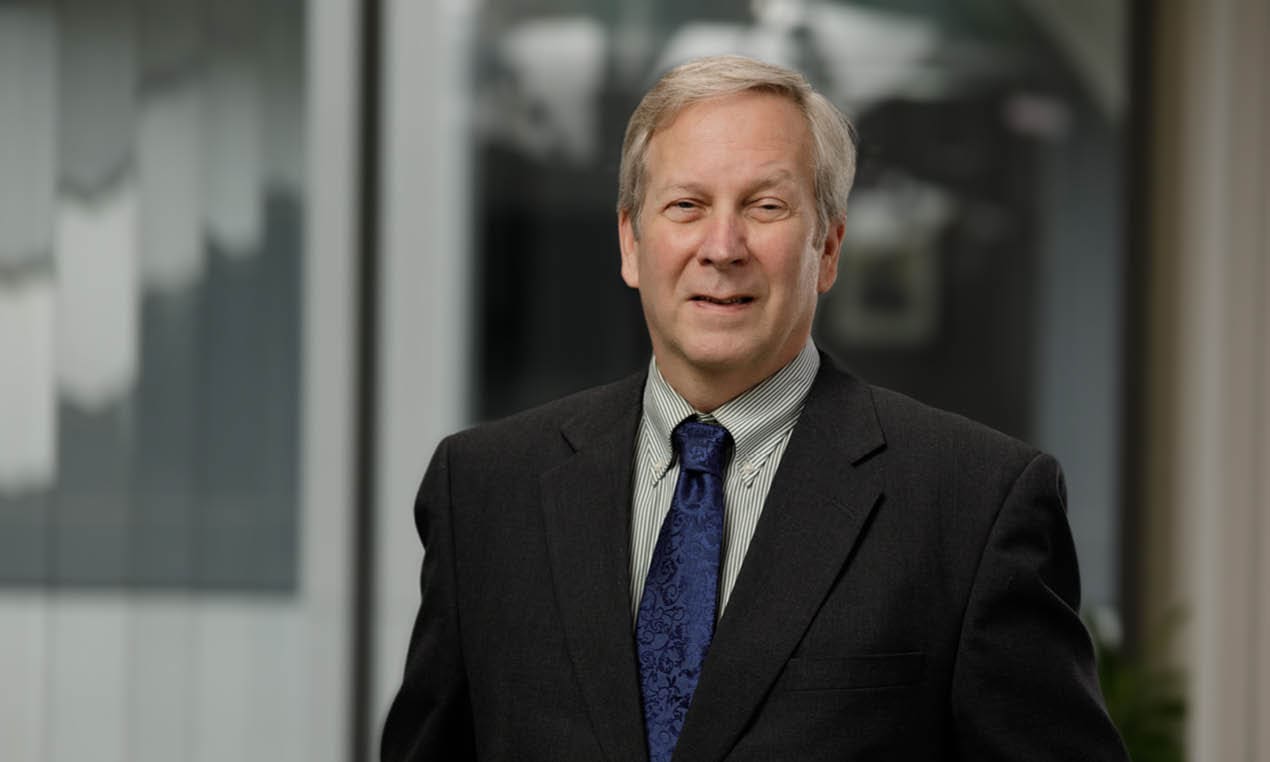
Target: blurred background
(256, 258)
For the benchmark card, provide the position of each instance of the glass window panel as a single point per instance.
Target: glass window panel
(152, 303)
(982, 266)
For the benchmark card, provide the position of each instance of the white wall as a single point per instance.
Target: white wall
(1206, 519)
(425, 315)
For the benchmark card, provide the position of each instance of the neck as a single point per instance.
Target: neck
(707, 394)
(706, 391)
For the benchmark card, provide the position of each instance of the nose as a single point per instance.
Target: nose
(724, 242)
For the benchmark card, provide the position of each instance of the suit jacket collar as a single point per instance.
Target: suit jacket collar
(821, 498)
(586, 513)
(823, 494)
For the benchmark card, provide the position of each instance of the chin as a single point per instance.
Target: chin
(728, 357)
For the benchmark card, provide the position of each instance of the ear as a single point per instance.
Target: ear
(630, 249)
(830, 251)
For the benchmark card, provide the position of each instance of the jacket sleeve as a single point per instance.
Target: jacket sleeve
(1025, 685)
(431, 717)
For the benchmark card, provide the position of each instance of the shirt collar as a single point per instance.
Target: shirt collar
(757, 419)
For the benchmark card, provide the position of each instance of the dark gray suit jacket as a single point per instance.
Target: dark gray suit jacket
(910, 593)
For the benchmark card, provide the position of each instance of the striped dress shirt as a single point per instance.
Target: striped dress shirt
(760, 421)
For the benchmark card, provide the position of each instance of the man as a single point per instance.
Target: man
(744, 553)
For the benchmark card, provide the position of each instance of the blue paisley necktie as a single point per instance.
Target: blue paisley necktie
(676, 613)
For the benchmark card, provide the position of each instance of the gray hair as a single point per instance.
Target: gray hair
(833, 139)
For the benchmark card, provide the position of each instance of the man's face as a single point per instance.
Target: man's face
(727, 264)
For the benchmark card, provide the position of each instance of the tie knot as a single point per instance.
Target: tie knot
(702, 446)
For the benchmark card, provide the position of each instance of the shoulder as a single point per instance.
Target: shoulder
(956, 454)
(910, 424)
(949, 479)
(919, 441)
(542, 426)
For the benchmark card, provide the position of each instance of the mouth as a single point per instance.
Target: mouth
(724, 301)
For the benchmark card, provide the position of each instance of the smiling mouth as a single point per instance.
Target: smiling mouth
(728, 301)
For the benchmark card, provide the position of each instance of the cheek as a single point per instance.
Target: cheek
(678, 242)
(815, 272)
(794, 260)
(663, 260)
(803, 273)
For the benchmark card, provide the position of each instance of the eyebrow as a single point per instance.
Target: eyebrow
(780, 176)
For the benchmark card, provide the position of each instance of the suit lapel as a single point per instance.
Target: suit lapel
(821, 498)
(586, 510)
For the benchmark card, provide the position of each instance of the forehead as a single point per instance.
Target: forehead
(750, 131)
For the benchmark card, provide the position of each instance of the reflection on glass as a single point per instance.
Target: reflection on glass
(149, 303)
(28, 409)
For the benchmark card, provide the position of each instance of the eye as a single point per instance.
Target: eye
(768, 209)
(683, 210)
